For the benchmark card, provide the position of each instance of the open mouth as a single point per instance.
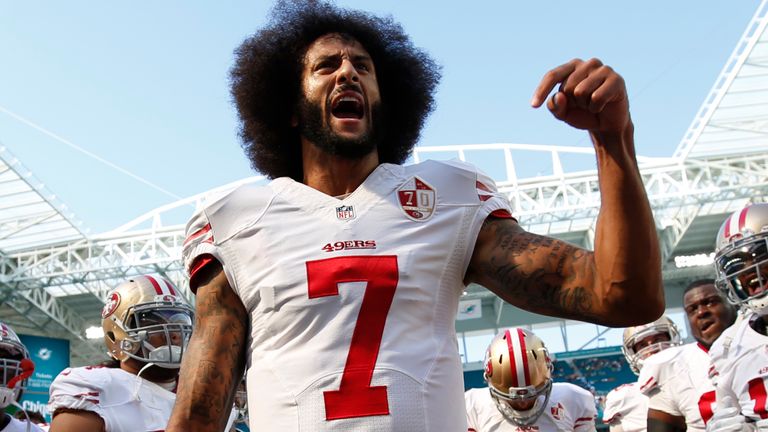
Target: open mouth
(706, 326)
(754, 287)
(348, 105)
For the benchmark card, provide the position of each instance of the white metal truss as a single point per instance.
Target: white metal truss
(52, 277)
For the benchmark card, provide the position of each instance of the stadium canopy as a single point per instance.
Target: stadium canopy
(53, 276)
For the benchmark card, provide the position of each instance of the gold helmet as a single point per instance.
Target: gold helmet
(650, 333)
(147, 319)
(518, 370)
(15, 366)
(741, 258)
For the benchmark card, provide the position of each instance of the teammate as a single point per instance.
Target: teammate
(147, 325)
(626, 407)
(339, 281)
(521, 395)
(15, 369)
(739, 356)
(681, 396)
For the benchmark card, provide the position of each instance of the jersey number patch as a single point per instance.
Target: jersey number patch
(355, 396)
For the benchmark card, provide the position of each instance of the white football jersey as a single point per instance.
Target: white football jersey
(676, 382)
(740, 367)
(126, 402)
(570, 408)
(17, 425)
(352, 301)
(627, 406)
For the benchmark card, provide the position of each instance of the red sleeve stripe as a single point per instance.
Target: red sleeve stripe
(201, 232)
(583, 419)
(199, 262)
(501, 214)
(482, 187)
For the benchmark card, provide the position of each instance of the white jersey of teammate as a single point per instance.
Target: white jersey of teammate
(126, 402)
(627, 406)
(740, 368)
(17, 425)
(677, 382)
(570, 408)
(352, 301)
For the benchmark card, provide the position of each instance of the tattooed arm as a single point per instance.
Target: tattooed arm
(619, 284)
(214, 361)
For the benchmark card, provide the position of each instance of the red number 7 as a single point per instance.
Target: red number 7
(355, 396)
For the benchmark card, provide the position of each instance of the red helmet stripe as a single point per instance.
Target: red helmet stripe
(512, 362)
(743, 218)
(158, 290)
(524, 354)
(169, 285)
(727, 232)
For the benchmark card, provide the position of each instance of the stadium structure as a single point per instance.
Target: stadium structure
(54, 276)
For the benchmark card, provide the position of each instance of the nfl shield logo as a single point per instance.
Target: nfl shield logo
(417, 199)
(345, 212)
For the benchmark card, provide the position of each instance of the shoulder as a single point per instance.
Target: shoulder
(476, 396)
(657, 369)
(453, 180)
(222, 213)
(576, 396)
(87, 376)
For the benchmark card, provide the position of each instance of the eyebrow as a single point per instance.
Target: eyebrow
(355, 58)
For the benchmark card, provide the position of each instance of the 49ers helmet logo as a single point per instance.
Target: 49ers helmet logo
(113, 301)
(417, 199)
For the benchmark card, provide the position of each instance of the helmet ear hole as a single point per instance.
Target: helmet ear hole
(111, 336)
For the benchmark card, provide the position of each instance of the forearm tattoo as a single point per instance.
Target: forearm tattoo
(543, 274)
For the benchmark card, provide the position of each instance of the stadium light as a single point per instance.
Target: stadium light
(684, 261)
(94, 332)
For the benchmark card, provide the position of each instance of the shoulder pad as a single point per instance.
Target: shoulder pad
(455, 182)
(225, 213)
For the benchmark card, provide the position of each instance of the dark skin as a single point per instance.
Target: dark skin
(709, 314)
(614, 285)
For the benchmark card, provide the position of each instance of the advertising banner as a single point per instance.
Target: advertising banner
(51, 356)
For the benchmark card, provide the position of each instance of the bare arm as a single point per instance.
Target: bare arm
(214, 362)
(659, 421)
(619, 284)
(76, 420)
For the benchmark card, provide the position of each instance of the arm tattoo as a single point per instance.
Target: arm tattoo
(213, 364)
(539, 273)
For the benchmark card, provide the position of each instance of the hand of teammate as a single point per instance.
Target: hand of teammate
(590, 96)
(728, 418)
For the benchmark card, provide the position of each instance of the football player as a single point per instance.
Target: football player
(521, 395)
(15, 370)
(676, 380)
(626, 408)
(740, 356)
(338, 282)
(147, 324)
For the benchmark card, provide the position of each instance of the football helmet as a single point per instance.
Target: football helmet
(147, 319)
(636, 334)
(14, 366)
(741, 258)
(518, 370)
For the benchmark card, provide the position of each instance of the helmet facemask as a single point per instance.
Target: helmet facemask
(12, 353)
(156, 333)
(518, 395)
(742, 272)
(635, 335)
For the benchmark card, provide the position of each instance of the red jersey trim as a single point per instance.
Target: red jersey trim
(199, 262)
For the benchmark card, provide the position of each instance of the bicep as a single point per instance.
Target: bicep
(81, 421)
(660, 421)
(537, 273)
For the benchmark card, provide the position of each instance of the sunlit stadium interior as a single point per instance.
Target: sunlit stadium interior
(54, 275)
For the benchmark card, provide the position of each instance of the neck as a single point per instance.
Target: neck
(155, 374)
(335, 175)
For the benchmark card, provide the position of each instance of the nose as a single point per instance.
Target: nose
(347, 72)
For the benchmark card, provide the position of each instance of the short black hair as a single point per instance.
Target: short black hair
(266, 81)
(699, 282)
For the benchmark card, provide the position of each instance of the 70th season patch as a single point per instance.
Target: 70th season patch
(417, 199)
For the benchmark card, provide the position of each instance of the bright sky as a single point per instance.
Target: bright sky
(143, 85)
